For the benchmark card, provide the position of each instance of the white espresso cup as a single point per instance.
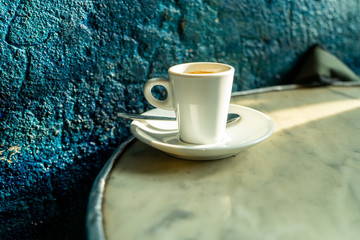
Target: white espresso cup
(200, 94)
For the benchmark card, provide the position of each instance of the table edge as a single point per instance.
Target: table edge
(94, 218)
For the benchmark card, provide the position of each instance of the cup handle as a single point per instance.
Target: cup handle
(166, 104)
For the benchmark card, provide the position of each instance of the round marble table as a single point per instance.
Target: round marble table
(301, 183)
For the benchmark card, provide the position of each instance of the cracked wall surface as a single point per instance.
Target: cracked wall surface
(67, 67)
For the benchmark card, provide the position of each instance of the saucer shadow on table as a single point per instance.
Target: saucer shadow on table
(141, 158)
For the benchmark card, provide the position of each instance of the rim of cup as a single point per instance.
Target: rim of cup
(183, 69)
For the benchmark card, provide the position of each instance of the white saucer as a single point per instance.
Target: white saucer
(253, 128)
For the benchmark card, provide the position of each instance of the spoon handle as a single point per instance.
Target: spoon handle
(145, 117)
(232, 117)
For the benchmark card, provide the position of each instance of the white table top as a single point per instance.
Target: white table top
(301, 183)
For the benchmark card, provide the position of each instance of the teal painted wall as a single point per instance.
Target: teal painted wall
(67, 68)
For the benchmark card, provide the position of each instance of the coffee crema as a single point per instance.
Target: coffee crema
(200, 72)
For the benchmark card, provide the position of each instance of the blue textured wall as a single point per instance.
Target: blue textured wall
(68, 67)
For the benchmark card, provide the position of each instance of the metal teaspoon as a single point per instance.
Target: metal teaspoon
(232, 117)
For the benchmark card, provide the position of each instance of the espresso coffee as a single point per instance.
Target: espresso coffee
(200, 72)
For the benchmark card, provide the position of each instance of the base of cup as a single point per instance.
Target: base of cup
(201, 142)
